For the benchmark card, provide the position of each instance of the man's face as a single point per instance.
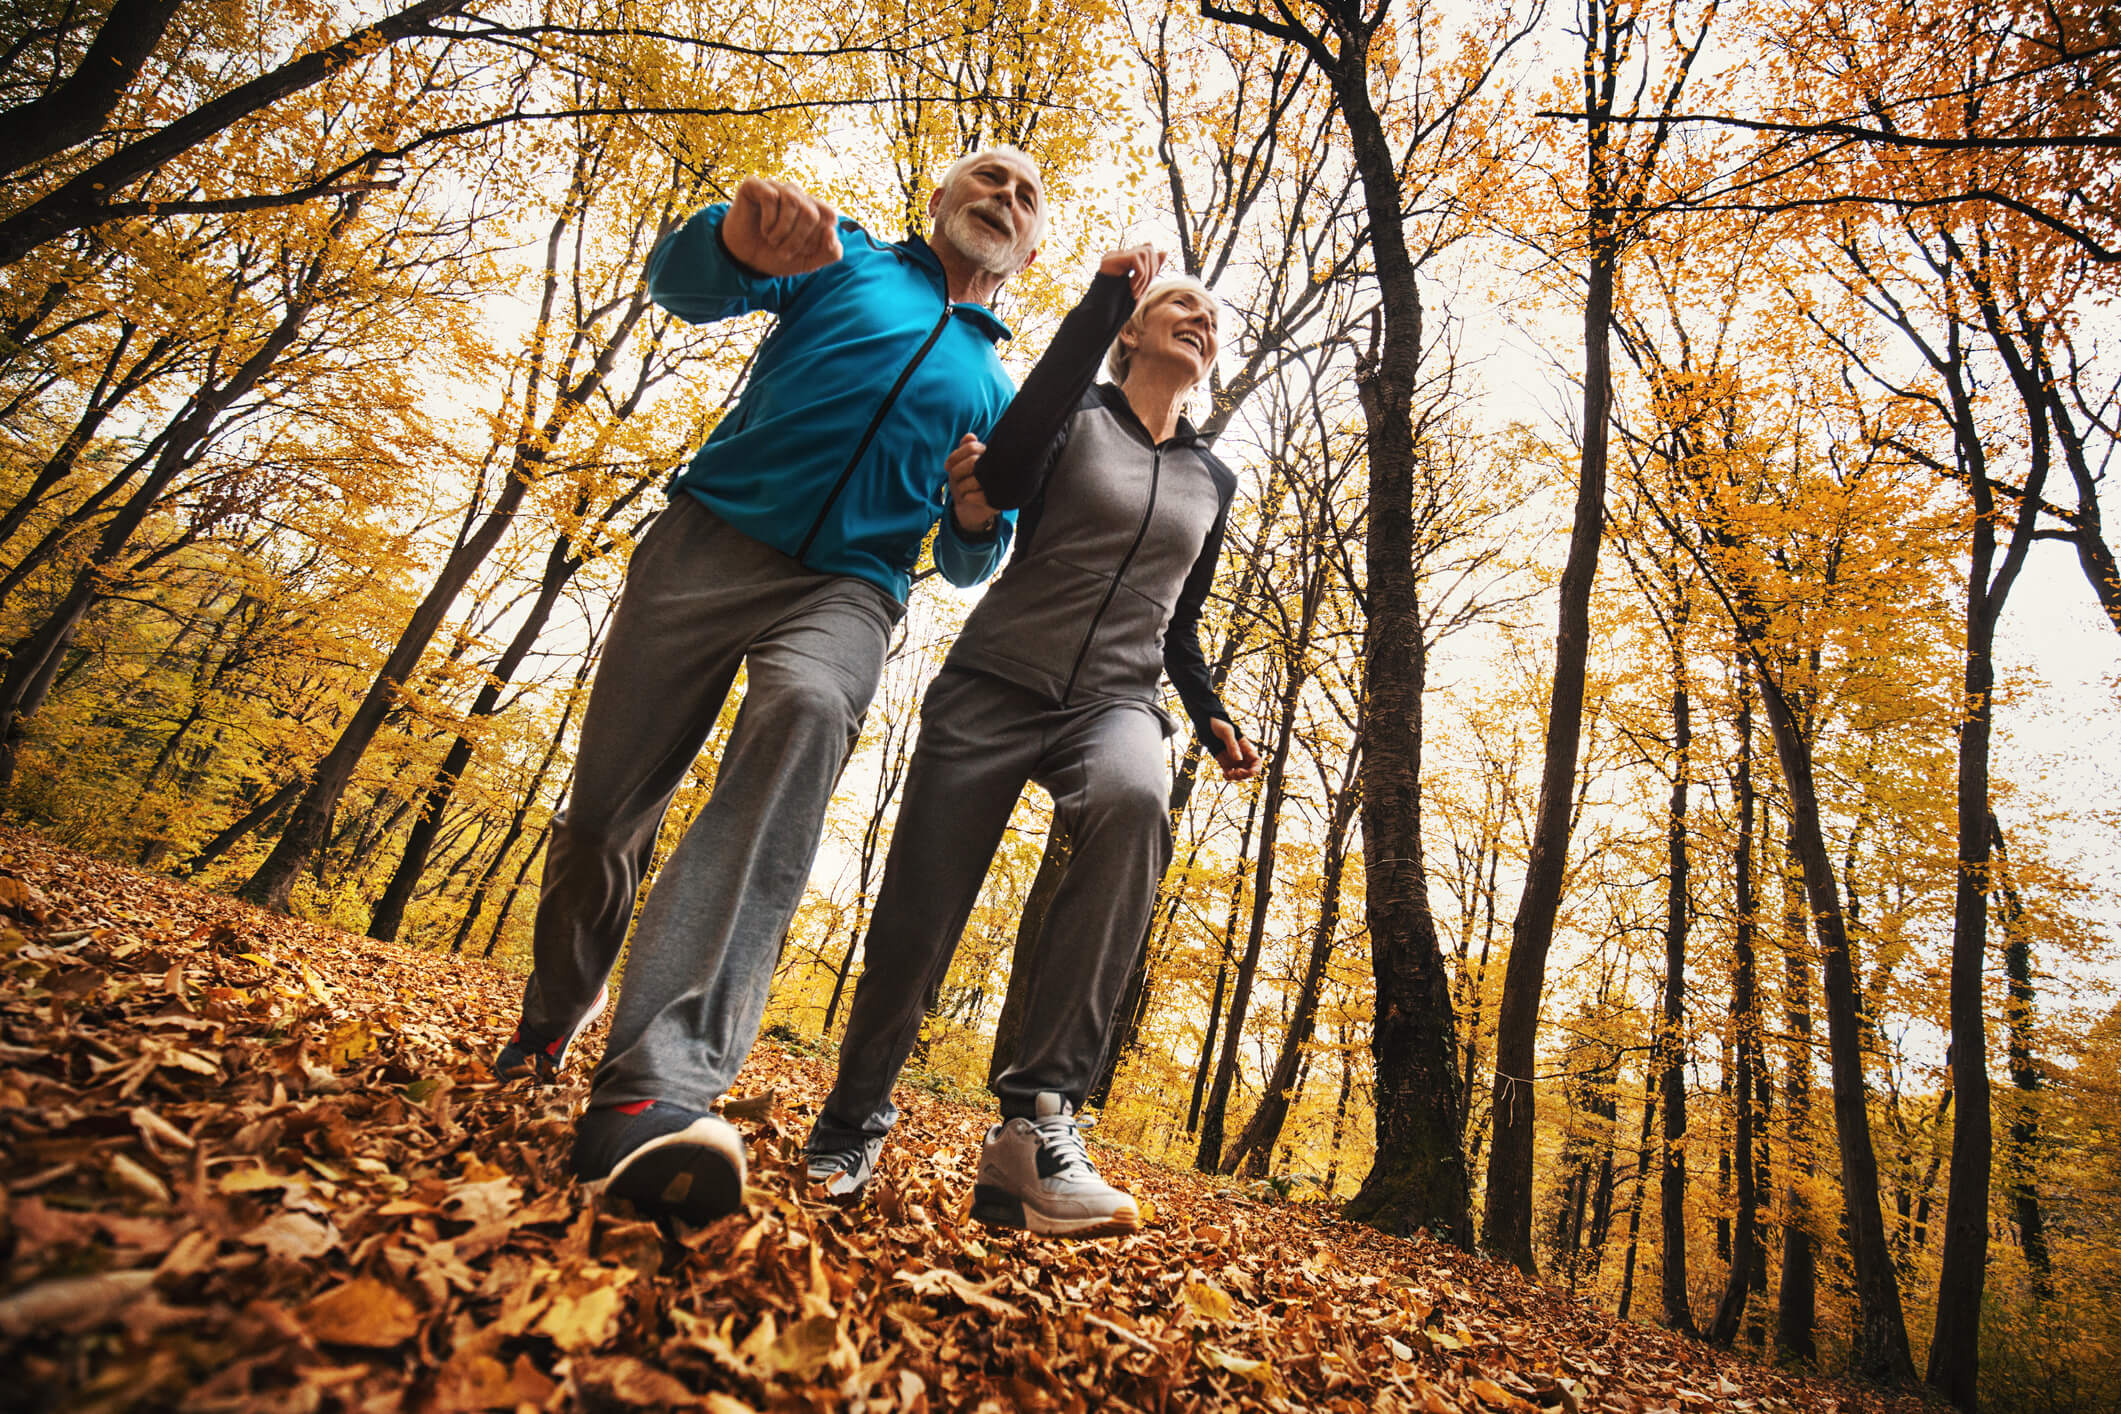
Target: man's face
(991, 213)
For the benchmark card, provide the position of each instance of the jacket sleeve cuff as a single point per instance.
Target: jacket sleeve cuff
(966, 559)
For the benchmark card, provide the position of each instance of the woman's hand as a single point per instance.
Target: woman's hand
(1238, 757)
(968, 501)
(1139, 263)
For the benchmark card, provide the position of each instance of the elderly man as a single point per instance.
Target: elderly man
(787, 548)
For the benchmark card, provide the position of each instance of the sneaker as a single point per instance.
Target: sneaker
(1036, 1174)
(841, 1174)
(526, 1054)
(674, 1164)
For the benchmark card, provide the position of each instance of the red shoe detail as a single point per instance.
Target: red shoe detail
(633, 1107)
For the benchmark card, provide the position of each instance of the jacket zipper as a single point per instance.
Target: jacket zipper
(1156, 471)
(869, 433)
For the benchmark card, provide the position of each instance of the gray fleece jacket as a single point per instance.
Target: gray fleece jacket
(1117, 537)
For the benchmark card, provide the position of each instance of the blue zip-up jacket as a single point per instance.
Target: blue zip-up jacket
(834, 455)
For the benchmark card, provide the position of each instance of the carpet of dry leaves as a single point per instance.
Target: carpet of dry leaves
(248, 1163)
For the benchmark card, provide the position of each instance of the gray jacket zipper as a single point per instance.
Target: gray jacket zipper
(869, 433)
(1156, 470)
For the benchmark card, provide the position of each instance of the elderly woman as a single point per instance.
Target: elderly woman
(1055, 680)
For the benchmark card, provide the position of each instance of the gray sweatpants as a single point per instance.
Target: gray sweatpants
(700, 598)
(981, 739)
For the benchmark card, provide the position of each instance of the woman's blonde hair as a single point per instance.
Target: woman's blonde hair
(1121, 358)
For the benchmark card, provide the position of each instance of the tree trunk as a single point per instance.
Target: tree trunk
(1955, 1347)
(1507, 1221)
(1672, 1187)
(1797, 1297)
(1340, 1113)
(1879, 1349)
(1642, 1186)
(1748, 1255)
(1208, 1157)
(1418, 1181)
(389, 914)
(1260, 1134)
(251, 819)
(2025, 1076)
(508, 900)
(1222, 969)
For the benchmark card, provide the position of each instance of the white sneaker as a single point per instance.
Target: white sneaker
(1036, 1174)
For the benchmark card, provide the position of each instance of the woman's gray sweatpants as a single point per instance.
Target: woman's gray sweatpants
(700, 598)
(981, 739)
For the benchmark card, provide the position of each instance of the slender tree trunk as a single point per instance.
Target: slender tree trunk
(1259, 1136)
(2025, 1075)
(1672, 1188)
(1642, 1186)
(1507, 1221)
(1476, 987)
(1797, 1297)
(1880, 1348)
(1955, 1347)
(1222, 969)
(389, 915)
(251, 819)
(508, 900)
(1208, 1158)
(1748, 1256)
(1340, 1112)
(1418, 1181)
(529, 798)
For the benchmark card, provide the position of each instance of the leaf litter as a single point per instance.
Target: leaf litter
(251, 1163)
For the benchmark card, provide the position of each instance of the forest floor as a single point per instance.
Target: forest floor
(250, 1163)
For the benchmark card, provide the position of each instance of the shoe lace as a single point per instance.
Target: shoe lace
(848, 1160)
(1061, 1135)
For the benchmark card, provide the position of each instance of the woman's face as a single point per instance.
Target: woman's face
(1181, 328)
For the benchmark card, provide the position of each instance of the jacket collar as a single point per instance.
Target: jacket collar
(916, 248)
(1186, 435)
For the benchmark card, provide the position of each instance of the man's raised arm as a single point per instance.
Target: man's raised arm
(743, 254)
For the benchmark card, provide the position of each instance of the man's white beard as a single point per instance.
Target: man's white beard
(980, 243)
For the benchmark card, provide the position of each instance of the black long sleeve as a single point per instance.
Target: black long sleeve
(1184, 662)
(1027, 441)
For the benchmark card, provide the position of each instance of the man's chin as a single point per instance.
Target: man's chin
(980, 246)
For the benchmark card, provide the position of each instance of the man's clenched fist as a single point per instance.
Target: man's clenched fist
(777, 228)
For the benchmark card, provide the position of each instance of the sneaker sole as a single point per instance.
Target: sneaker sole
(686, 1176)
(998, 1207)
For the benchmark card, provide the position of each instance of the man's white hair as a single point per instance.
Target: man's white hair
(965, 164)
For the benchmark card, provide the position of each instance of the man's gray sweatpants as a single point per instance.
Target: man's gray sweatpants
(982, 739)
(700, 598)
